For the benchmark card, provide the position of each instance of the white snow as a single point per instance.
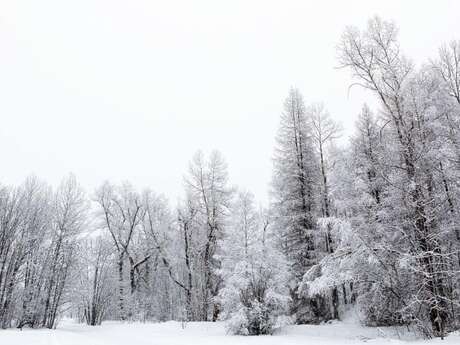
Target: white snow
(173, 333)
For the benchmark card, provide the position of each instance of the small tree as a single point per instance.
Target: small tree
(255, 291)
(96, 280)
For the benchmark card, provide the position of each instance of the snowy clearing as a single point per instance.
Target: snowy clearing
(172, 333)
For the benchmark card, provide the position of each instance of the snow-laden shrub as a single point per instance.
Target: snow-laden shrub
(254, 273)
(254, 298)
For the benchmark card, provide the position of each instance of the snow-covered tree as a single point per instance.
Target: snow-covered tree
(121, 213)
(294, 197)
(95, 285)
(324, 131)
(255, 294)
(415, 210)
(207, 187)
(69, 209)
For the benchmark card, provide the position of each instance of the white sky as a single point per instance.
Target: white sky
(131, 89)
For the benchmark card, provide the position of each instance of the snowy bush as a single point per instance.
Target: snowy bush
(254, 294)
(253, 299)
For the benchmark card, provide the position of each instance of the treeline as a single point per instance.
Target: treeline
(372, 226)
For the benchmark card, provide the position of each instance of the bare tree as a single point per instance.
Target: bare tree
(208, 186)
(69, 208)
(448, 66)
(95, 283)
(185, 217)
(122, 213)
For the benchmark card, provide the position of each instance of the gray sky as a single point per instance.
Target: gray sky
(130, 90)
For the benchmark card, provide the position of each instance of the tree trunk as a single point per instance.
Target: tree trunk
(121, 292)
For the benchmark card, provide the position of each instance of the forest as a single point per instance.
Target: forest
(371, 223)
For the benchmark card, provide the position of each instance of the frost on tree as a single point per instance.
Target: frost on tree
(417, 246)
(300, 195)
(371, 224)
(254, 296)
(293, 198)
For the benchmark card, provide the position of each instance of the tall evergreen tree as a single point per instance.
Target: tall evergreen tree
(293, 197)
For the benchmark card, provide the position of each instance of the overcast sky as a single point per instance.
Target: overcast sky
(129, 90)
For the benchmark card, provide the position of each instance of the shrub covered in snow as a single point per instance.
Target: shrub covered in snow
(254, 295)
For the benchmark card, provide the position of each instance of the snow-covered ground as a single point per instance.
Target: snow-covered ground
(200, 333)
